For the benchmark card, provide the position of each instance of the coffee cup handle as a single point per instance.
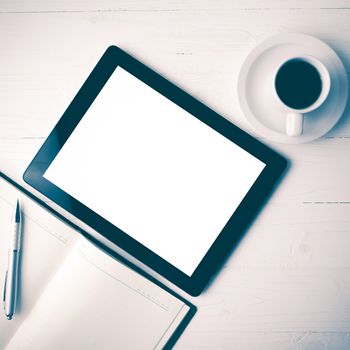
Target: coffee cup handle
(294, 125)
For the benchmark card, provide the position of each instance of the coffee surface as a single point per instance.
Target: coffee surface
(298, 84)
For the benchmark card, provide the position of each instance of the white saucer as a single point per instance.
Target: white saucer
(255, 87)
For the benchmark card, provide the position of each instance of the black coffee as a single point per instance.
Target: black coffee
(298, 84)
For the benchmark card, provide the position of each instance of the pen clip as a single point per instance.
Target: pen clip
(4, 297)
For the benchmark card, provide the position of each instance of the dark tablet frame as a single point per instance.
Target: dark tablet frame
(243, 215)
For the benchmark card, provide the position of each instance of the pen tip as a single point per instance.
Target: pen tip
(9, 317)
(18, 212)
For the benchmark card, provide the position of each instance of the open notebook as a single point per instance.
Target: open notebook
(74, 296)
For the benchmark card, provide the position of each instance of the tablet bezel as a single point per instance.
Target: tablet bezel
(243, 215)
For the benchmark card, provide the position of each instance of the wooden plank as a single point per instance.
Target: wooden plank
(251, 340)
(172, 5)
(276, 299)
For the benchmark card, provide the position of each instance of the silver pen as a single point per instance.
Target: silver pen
(11, 279)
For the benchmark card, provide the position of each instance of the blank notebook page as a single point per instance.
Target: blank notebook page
(95, 302)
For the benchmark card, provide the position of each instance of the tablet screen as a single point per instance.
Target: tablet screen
(152, 169)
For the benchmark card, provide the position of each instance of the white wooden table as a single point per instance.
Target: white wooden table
(287, 285)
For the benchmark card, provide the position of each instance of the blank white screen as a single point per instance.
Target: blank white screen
(153, 170)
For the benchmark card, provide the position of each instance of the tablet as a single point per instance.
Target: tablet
(154, 170)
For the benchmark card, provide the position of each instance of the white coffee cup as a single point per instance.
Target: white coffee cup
(295, 115)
